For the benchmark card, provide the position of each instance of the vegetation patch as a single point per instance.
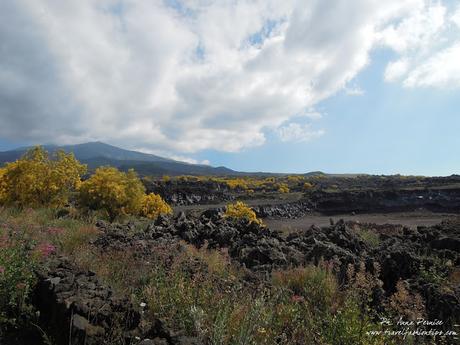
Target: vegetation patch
(240, 210)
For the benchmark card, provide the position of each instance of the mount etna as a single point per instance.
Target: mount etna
(96, 154)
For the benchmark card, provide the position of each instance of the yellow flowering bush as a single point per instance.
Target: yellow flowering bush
(295, 178)
(120, 193)
(2, 185)
(307, 186)
(240, 210)
(114, 191)
(37, 179)
(153, 206)
(237, 183)
(283, 188)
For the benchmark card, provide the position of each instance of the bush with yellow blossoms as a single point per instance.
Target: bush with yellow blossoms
(39, 180)
(116, 192)
(240, 210)
(153, 205)
(120, 193)
(283, 188)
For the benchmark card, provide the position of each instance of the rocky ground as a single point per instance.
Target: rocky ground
(390, 200)
(77, 308)
(426, 259)
(400, 239)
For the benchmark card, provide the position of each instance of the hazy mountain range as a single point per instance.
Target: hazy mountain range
(97, 154)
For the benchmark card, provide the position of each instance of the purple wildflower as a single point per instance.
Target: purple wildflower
(46, 249)
(55, 231)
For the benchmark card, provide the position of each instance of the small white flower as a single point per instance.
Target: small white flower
(143, 305)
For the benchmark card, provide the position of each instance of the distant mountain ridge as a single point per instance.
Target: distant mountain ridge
(97, 154)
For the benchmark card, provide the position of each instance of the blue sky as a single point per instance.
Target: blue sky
(388, 129)
(286, 86)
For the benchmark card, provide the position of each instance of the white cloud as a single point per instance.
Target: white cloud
(455, 18)
(298, 133)
(190, 160)
(416, 30)
(313, 114)
(354, 90)
(428, 46)
(441, 70)
(214, 74)
(396, 69)
(175, 157)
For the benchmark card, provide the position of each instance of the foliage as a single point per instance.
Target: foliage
(201, 291)
(27, 238)
(307, 186)
(2, 185)
(222, 310)
(283, 188)
(404, 303)
(295, 178)
(16, 277)
(114, 191)
(153, 206)
(237, 183)
(314, 284)
(369, 236)
(37, 179)
(247, 184)
(240, 210)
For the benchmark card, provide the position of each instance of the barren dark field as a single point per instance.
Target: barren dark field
(408, 219)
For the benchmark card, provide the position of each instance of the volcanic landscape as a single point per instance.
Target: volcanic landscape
(306, 259)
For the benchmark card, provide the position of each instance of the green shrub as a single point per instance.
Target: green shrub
(369, 236)
(314, 284)
(16, 278)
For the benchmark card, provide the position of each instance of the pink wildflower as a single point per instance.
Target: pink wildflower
(4, 241)
(55, 231)
(46, 249)
(297, 299)
(2, 269)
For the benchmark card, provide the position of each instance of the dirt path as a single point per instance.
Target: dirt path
(410, 219)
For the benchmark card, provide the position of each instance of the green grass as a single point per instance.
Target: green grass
(369, 236)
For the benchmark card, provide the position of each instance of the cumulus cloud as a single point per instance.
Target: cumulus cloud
(190, 160)
(441, 70)
(396, 69)
(417, 30)
(295, 132)
(428, 45)
(354, 90)
(185, 76)
(455, 18)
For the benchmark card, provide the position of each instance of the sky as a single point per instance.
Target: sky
(343, 86)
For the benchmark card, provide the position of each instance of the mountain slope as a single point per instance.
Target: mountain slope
(91, 150)
(98, 149)
(98, 154)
